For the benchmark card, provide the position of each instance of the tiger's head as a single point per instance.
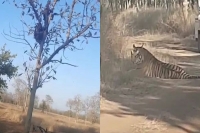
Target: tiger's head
(136, 55)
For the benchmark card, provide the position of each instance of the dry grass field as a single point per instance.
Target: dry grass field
(134, 103)
(12, 121)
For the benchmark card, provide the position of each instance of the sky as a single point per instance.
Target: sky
(83, 80)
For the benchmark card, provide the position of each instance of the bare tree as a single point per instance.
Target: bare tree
(21, 93)
(94, 111)
(86, 106)
(43, 106)
(77, 102)
(17, 96)
(49, 101)
(29, 80)
(54, 31)
(70, 105)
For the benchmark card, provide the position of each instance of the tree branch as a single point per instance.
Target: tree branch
(64, 45)
(35, 11)
(54, 4)
(29, 77)
(70, 19)
(22, 38)
(45, 79)
(63, 63)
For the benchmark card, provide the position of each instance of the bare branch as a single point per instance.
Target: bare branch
(94, 36)
(75, 47)
(12, 40)
(63, 63)
(16, 38)
(70, 19)
(22, 38)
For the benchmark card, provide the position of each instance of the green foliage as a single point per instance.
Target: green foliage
(6, 67)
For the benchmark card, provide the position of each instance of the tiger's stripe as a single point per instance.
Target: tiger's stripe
(153, 67)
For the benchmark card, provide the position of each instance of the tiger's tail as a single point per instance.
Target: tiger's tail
(193, 77)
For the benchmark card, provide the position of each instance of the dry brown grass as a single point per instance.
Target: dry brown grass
(53, 122)
(155, 21)
(148, 126)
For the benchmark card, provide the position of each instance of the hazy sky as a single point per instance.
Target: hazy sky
(83, 80)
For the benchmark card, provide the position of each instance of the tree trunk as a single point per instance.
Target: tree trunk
(165, 4)
(185, 9)
(31, 102)
(110, 4)
(116, 5)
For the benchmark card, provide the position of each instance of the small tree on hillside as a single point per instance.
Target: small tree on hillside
(43, 106)
(70, 104)
(55, 29)
(49, 101)
(21, 93)
(94, 111)
(86, 107)
(77, 102)
(6, 67)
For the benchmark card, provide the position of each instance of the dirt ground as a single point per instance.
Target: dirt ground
(12, 121)
(151, 105)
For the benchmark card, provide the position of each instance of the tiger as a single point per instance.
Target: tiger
(152, 67)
